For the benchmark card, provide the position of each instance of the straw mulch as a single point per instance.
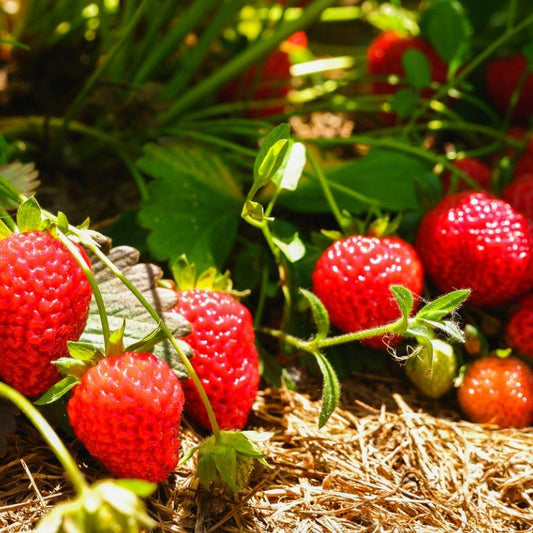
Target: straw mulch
(386, 461)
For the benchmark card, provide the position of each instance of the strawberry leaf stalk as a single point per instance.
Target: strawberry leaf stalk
(105, 507)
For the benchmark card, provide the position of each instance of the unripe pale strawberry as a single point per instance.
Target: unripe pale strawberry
(433, 377)
(225, 357)
(475, 240)
(499, 391)
(126, 411)
(353, 276)
(44, 302)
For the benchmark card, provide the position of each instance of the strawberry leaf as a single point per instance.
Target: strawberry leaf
(330, 390)
(404, 299)
(199, 199)
(22, 178)
(293, 168)
(319, 312)
(417, 68)
(404, 102)
(293, 250)
(270, 156)
(122, 305)
(229, 458)
(444, 305)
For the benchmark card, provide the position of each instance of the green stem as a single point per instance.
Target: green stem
(49, 435)
(327, 192)
(152, 312)
(96, 289)
(89, 84)
(213, 139)
(250, 55)
(398, 326)
(137, 176)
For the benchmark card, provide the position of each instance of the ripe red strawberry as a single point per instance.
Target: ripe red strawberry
(353, 276)
(270, 80)
(225, 357)
(474, 240)
(502, 76)
(519, 193)
(126, 411)
(44, 302)
(384, 57)
(519, 328)
(474, 168)
(498, 391)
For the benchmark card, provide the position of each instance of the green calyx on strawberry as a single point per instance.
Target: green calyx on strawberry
(499, 391)
(44, 298)
(107, 506)
(433, 374)
(222, 339)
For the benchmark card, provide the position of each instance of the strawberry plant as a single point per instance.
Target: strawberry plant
(361, 172)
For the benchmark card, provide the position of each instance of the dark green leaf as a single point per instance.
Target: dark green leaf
(384, 178)
(320, 314)
(29, 215)
(330, 391)
(192, 201)
(417, 68)
(445, 24)
(56, 391)
(444, 305)
(404, 299)
(404, 102)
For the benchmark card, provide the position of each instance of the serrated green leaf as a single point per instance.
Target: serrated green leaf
(293, 250)
(192, 201)
(17, 178)
(279, 133)
(330, 390)
(29, 215)
(417, 68)
(404, 299)
(122, 305)
(449, 328)
(319, 312)
(445, 24)
(56, 391)
(444, 305)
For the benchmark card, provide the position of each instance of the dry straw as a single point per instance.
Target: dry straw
(385, 462)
